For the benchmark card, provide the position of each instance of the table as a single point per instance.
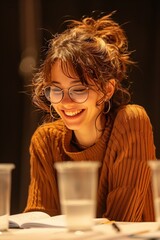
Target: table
(146, 230)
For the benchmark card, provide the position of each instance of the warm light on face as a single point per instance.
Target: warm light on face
(75, 103)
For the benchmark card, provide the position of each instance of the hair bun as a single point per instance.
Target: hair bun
(89, 21)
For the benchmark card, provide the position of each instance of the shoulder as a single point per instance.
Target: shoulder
(51, 129)
(132, 112)
(132, 117)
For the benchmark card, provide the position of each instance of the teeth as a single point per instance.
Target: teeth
(68, 113)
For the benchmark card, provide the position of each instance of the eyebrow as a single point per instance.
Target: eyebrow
(74, 81)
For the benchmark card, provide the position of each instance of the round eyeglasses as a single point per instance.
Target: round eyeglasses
(77, 93)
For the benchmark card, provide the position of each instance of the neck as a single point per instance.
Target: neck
(88, 136)
(84, 141)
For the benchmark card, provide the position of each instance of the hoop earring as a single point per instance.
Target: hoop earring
(51, 111)
(106, 111)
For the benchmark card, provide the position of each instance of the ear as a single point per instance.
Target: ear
(110, 87)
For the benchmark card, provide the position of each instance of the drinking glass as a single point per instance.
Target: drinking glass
(78, 192)
(5, 190)
(155, 168)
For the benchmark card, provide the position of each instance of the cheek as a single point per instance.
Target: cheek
(93, 107)
(98, 101)
(94, 98)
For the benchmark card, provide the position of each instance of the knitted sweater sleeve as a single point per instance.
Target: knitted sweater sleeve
(131, 146)
(43, 193)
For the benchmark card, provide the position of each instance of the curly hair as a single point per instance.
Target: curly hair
(97, 50)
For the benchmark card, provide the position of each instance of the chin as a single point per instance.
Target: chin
(73, 126)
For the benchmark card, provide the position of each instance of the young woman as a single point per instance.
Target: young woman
(82, 87)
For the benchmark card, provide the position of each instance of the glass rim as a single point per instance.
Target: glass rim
(78, 164)
(153, 164)
(7, 166)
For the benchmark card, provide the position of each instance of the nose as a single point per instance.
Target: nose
(66, 98)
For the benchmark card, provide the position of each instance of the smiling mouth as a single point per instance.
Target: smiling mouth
(72, 113)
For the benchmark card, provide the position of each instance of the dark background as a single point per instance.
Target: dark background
(26, 26)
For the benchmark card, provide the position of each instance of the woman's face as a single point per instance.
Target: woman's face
(76, 116)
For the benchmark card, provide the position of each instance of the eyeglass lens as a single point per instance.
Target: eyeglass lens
(78, 93)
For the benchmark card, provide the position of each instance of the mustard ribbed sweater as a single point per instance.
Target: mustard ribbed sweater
(124, 191)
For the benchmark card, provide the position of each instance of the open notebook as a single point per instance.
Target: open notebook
(40, 219)
(36, 219)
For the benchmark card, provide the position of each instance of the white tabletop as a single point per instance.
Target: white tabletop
(145, 230)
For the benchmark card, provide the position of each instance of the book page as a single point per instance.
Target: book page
(58, 221)
(37, 219)
(55, 221)
(16, 220)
